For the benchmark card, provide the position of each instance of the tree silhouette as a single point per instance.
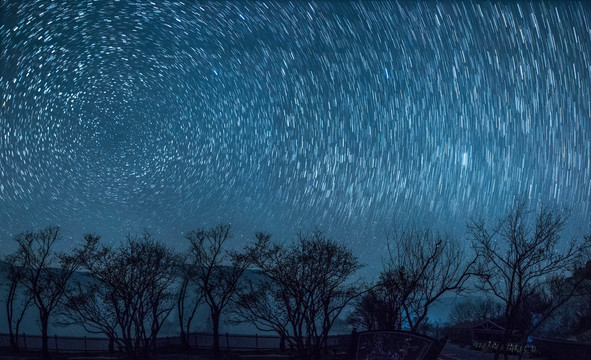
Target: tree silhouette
(470, 311)
(45, 273)
(15, 276)
(188, 300)
(423, 266)
(574, 318)
(521, 261)
(377, 309)
(259, 302)
(308, 283)
(217, 271)
(128, 294)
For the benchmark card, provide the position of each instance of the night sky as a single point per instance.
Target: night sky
(120, 116)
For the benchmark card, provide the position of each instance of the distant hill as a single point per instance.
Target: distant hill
(201, 323)
(438, 313)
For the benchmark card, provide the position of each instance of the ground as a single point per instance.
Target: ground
(455, 352)
(450, 352)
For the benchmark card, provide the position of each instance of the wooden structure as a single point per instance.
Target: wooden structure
(481, 332)
(487, 331)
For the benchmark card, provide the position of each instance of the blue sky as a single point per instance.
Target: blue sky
(285, 116)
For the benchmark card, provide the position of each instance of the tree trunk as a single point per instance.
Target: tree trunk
(44, 318)
(9, 315)
(16, 336)
(282, 343)
(180, 312)
(215, 319)
(13, 342)
(300, 346)
(129, 351)
(184, 339)
(13, 339)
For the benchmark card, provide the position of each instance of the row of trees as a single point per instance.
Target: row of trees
(296, 290)
(519, 263)
(126, 292)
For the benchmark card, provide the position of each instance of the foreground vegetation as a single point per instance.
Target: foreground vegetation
(300, 289)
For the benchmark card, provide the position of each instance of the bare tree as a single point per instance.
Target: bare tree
(470, 311)
(520, 260)
(217, 271)
(574, 318)
(188, 300)
(377, 309)
(310, 285)
(45, 273)
(128, 294)
(423, 266)
(259, 302)
(15, 275)
(89, 304)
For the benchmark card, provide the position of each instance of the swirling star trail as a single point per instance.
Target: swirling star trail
(119, 116)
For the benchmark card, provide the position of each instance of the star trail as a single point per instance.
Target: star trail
(119, 116)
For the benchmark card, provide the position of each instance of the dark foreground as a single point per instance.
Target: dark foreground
(450, 352)
(455, 352)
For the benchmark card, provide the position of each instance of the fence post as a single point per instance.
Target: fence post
(25, 340)
(85, 348)
(256, 339)
(55, 337)
(227, 342)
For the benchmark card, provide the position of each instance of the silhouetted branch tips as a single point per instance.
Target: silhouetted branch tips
(130, 292)
(44, 274)
(17, 299)
(520, 260)
(421, 267)
(301, 290)
(472, 311)
(218, 270)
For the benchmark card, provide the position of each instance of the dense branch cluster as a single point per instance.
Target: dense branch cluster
(525, 268)
(129, 292)
(310, 281)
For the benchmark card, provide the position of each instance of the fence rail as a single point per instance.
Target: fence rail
(196, 340)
